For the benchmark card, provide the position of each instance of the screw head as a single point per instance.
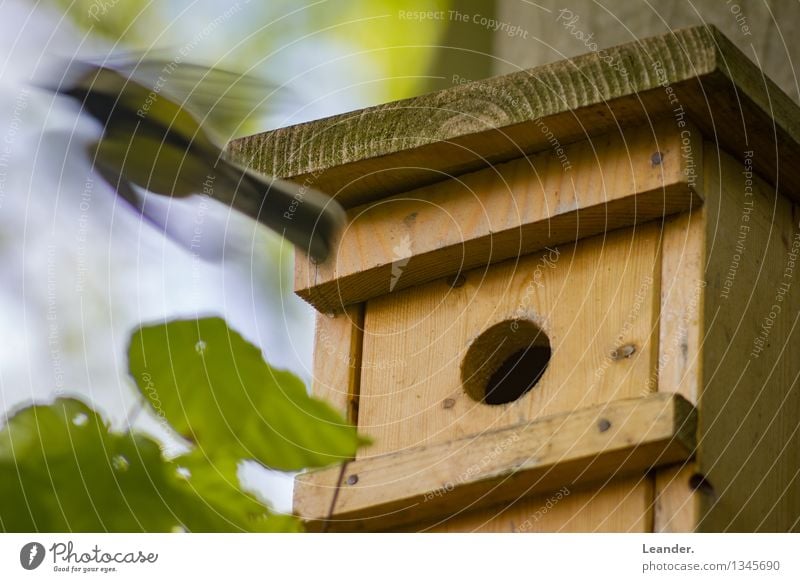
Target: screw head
(656, 159)
(603, 424)
(352, 479)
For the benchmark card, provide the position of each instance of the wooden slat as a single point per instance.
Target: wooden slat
(623, 504)
(368, 154)
(337, 359)
(677, 501)
(682, 296)
(506, 211)
(563, 450)
(680, 355)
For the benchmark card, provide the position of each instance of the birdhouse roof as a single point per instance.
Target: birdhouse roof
(378, 151)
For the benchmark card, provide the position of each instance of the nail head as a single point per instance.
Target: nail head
(656, 158)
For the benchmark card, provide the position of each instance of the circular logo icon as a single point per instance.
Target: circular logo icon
(31, 555)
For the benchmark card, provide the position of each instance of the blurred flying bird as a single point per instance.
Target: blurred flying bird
(162, 122)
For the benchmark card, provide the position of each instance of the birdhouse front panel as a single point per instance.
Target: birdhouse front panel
(569, 327)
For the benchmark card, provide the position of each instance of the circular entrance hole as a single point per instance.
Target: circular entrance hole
(504, 362)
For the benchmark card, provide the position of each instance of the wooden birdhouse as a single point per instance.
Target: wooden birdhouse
(566, 300)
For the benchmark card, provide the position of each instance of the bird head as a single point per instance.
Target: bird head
(96, 88)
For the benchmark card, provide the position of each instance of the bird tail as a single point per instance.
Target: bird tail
(309, 219)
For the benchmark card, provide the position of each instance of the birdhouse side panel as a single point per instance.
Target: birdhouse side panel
(749, 435)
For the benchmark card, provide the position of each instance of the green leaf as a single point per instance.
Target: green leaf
(216, 391)
(62, 470)
(217, 484)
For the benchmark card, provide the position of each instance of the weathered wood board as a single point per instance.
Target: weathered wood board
(557, 452)
(615, 180)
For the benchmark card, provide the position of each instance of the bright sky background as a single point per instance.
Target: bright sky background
(79, 273)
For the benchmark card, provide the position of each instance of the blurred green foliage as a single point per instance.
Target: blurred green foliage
(249, 36)
(63, 469)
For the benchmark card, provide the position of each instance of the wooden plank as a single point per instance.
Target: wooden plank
(368, 154)
(622, 504)
(682, 296)
(506, 211)
(590, 298)
(337, 359)
(750, 402)
(583, 446)
(677, 500)
(683, 252)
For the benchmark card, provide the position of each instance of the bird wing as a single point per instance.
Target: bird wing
(222, 100)
(153, 162)
(172, 222)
